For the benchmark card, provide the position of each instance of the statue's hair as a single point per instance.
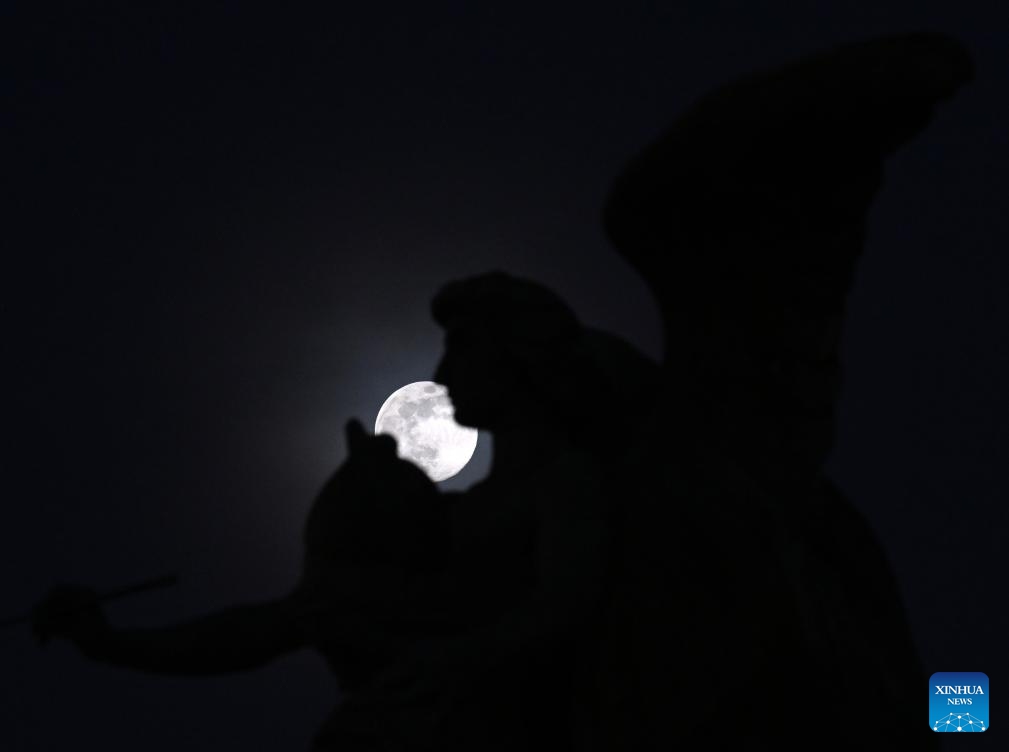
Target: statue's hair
(511, 308)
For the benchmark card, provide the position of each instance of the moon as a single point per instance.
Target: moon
(421, 418)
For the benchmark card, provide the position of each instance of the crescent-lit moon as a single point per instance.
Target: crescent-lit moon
(421, 418)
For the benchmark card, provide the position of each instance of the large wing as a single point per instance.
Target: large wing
(747, 217)
(748, 597)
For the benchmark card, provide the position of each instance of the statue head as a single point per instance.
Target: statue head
(514, 349)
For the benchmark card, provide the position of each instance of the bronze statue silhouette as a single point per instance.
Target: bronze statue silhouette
(451, 620)
(702, 566)
(530, 542)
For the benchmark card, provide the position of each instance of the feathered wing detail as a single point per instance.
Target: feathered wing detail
(747, 217)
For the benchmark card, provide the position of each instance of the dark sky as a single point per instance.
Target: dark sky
(221, 230)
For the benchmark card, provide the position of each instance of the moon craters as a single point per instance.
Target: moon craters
(420, 417)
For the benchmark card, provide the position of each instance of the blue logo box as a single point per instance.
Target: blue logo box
(958, 702)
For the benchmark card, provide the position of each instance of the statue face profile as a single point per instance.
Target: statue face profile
(481, 382)
(503, 337)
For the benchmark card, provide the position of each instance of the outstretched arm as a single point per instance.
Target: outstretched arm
(234, 639)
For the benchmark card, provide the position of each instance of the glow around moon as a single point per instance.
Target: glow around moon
(421, 418)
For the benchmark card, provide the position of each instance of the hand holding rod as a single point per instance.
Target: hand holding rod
(155, 583)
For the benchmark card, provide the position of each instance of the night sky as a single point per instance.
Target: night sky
(222, 228)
